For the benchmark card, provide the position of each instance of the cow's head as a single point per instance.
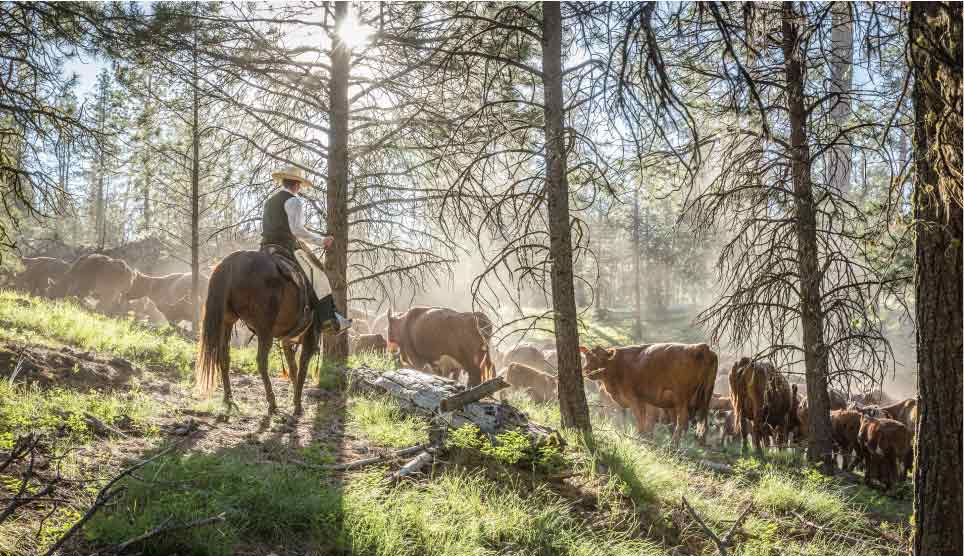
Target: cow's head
(597, 361)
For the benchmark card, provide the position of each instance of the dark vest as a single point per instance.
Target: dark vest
(274, 221)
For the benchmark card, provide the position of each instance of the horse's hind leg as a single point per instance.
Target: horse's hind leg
(309, 347)
(292, 368)
(264, 347)
(225, 365)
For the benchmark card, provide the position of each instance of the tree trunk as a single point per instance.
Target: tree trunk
(815, 353)
(572, 397)
(195, 199)
(935, 38)
(336, 347)
(637, 299)
(148, 177)
(841, 79)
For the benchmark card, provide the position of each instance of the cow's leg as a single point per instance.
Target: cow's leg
(758, 435)
(264, 348)
(682, 422)
(640, 413)
(474, 372)
(289, 353)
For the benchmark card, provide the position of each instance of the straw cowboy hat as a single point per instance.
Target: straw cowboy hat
(292, 172)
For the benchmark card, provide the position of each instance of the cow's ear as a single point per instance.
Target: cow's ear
(583, 349)
(611, 352)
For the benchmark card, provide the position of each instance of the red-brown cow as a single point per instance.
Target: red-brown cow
(886, 446)
(762, 396)
(443, 340)
(541, 387)
(668, 376)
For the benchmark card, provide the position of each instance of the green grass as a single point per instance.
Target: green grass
(466, 513)
(382, 423)
(29, 409)
(263, 503)
(23, 316)
(635, 487)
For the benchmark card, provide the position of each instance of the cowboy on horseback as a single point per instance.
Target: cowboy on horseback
(283, 225)
(280, 292)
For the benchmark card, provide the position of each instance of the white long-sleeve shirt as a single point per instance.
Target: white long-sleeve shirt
(295, 209)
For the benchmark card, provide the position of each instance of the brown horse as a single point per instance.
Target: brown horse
(252, 286)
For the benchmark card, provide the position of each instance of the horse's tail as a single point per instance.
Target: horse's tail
(214, 342)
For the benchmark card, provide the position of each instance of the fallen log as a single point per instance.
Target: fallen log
(445, 400)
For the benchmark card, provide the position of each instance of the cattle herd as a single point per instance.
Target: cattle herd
(113, 285)
(671, 383)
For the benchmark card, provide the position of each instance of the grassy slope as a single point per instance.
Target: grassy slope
(632, 490)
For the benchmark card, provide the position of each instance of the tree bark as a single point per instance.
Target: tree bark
(935, 39)
(637, 301)
(195, 196)
(841, 79)
(336, 347)
(815, 353)
(148, 133)
(572, 397)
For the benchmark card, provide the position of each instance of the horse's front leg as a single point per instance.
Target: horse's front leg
(264, 348)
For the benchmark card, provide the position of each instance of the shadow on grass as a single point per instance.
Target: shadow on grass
(268, 478)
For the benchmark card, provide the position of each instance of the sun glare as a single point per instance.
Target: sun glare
(353, 33)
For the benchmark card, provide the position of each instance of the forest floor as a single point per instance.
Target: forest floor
(266, 486)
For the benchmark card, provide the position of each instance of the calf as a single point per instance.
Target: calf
(886, 445)
(845, 428)
(725, 423)
(373, 343)
(541, 387)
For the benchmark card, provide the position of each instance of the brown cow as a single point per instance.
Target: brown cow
(904, 411)
(540, 386)
(373, 343)
(669, 376)
(39, 274)
(845, 428)
(99, 276)
(443, 340)
(762, 396)
(529, 356)
(143, 309)
(724, 421)
(886, 445)
(170, 292)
